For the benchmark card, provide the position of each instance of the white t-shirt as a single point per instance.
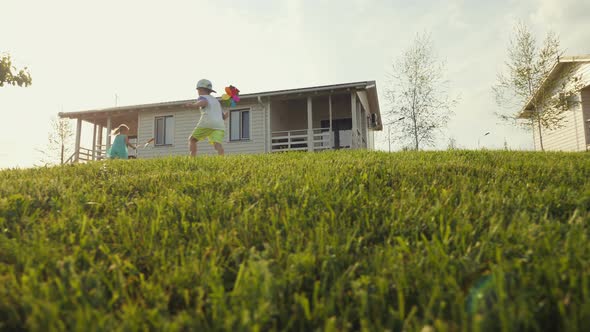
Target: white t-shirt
(212, 115)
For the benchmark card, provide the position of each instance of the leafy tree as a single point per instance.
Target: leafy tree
(526, 79)
(12, 76)
(418, 94)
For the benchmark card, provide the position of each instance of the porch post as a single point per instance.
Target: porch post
(269, 127)
(100, 130)
(363, 121)
(330, 111)
(309, 125)
(78, 134)
(359, 119)
(354, 119)
(108, 132)
(94, 142)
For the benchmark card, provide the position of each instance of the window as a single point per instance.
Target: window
(164, 129)
(239, 125)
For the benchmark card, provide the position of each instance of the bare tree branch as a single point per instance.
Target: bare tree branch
(59, 145)
(527, 71)
(418, 93)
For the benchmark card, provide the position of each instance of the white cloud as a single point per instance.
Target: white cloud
(569, 18)
(560, 11)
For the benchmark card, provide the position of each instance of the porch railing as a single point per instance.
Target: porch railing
(82, 155)
(100, 153)
(298, 140)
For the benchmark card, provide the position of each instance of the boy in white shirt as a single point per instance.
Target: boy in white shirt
(211, 125)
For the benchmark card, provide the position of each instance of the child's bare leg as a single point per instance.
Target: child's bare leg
(192, 146)
(219, 148)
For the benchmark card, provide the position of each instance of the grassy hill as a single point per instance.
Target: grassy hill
(445, 241)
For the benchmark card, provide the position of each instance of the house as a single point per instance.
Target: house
(341, 116)
(574, 134)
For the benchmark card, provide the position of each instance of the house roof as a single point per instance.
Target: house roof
(369, 86)
(557, 68)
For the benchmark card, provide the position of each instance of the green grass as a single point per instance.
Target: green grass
(453, 241)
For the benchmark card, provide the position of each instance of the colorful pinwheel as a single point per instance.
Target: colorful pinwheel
(231, 96)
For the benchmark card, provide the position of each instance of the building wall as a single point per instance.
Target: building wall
(585, 103)
(341, 108)
(289, 114)
(371, 139)
(266, 116)
(186, 120)
(572, 136)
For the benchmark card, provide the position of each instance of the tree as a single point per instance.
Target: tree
(12, 76)
(60, 138)
(452, 144)
(418, 94)
(526, 80)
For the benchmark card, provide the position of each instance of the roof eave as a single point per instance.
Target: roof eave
(576, 58)
(529, 105)
(136, 108)
(524, 114)
(374, 97)
(561, 61)
(315, 89)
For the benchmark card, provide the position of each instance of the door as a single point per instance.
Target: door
(341, 132)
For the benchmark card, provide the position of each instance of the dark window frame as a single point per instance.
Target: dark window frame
(156, 142)
(241, 134)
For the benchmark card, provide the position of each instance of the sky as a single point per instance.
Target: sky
(95, 54)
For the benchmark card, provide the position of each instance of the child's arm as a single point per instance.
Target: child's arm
(201, 102)
(129, 144)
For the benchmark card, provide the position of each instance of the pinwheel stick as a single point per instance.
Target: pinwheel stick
(148, 142)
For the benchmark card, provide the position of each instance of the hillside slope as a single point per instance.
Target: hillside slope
(330, 241)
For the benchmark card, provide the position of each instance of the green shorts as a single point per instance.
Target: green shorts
(214, 135)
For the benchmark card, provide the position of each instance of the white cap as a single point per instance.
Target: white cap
(205, 84)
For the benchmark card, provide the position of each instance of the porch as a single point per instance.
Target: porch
(101, 123)
(320, 122)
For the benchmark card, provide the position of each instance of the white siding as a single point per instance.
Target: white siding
(584, 71)
(371, 139)
(186, 121)
(572, 135)
(267, 123)
(586, 114)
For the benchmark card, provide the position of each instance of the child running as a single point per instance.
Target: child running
(211, 125)
(118, 149)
